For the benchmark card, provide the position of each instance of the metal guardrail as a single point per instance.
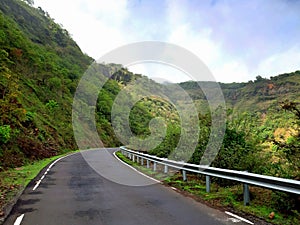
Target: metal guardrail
(275, 183)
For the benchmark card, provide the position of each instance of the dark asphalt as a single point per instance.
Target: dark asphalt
(72, 193)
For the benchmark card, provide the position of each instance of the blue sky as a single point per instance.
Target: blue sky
(236, 39)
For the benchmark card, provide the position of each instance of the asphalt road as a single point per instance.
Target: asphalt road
(93, 189)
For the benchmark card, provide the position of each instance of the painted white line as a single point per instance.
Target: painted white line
(36, 186)
(48, 169)
(175, 189)
(238, 217)
(19, 220)
(151, 178)
(234, 220)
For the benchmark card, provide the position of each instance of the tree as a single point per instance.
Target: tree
(259, 78)
(291, 147)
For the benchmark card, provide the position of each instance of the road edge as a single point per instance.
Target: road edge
(7, 209)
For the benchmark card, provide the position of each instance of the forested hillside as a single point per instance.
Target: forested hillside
(40, 66)
(266, 111)
(40, 69)
(258, 95)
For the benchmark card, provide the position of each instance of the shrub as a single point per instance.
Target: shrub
(4, 134)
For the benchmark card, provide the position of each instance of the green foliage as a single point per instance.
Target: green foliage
(257, 96)
(5, 132)
(52, 105)
(38, 61)
(289, 148)
(169, 142)
(139, 119)
(29, 116)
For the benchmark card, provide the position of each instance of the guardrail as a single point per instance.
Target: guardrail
(275, 183)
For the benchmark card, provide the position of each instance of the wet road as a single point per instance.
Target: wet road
(95, 188)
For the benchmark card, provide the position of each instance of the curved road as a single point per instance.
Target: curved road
(73, 193)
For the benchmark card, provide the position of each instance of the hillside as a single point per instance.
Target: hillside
(40, 69)
(40, 66)
(258, 95)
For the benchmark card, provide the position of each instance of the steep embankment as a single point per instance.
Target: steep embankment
(40, 66)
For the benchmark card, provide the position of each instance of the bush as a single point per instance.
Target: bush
(285, 202)
(52, 105)
(4, 134)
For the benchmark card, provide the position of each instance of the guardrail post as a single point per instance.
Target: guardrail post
(246, 194)
(132, 157)
(154, 166)
(148, 164)
(137, 159)
(129, 155)
(142, 161)
(166, 169)
(207, 178)
(184, 175)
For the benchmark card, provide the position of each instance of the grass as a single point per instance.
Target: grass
(229, 198)
(157, 175)
(14, 180)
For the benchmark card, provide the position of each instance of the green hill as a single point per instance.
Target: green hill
(40, 66)
(40, 69)
(258, 95)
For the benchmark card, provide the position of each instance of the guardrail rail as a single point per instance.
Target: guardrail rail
(275, 183)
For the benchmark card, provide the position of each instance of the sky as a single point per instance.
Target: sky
(237, 39)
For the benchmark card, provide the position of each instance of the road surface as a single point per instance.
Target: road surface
(74, 193)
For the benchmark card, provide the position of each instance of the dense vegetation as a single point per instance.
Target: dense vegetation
(40, 67)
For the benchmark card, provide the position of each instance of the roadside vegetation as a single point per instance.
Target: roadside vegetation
(41, 65)
(14, 180)
(266, 207)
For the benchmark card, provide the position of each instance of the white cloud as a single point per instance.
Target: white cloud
(160, 72)
(235, 43)
(283, 62)
(231, 71)
(200, 42)
(96, 26)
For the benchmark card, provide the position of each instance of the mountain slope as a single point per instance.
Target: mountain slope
(257, 95)
(40, 66)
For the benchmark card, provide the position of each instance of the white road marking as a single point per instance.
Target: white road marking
(46, 172)
(135, 169)
(234, 220)
(238, 217)
(175, 189)
(36, 185)
(19, 220)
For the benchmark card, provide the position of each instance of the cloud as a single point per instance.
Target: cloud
(236, 39)
(160, 72)
(96, 26)
(200, 42)
(280, 63)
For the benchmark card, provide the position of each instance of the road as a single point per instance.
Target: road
(74, 193)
